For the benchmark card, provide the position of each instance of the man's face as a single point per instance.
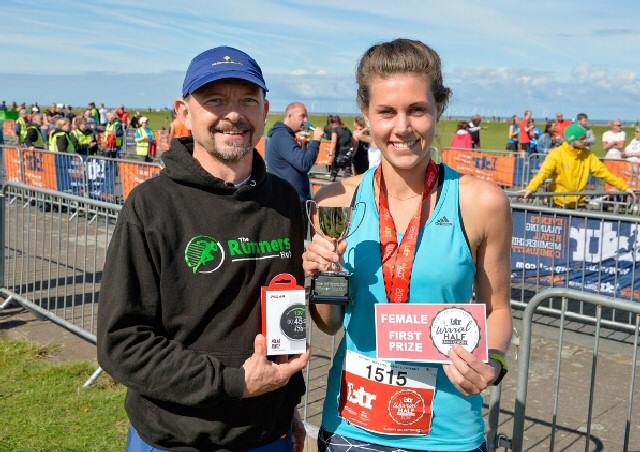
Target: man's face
(583, 122)
(559, 117)
(226, 118)
(580, 143)
(298, 117)
(616, 126)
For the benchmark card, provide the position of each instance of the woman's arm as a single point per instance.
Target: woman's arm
(488, 221)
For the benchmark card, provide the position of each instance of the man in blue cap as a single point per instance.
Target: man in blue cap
(180, 320)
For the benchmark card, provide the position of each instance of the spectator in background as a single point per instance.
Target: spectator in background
(3, 107)
(327, 128)
(462, 138)
(95, 113)
(525, 130)
(72, 117)
(33, 132)
(535, 134)
(474, 130)
(134, 123)
(561, 124)
(91, 121)
(549, 139)
(61, 139)
(53, 113)
(632, 151)
(362, 139)
(21, 125)
(145, 141)
(569, 166)
(286, 158)
(103, 115)
(178, 129)
(113, 136)
(86, 138)
(583, 120)
(512, 140)
(613, 140)
(341, 148)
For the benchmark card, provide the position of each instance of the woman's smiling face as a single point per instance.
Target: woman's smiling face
(402, 113)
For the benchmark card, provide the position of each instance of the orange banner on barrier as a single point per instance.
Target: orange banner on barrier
(135, 173)
(626, 170)
(494, 167)
(9, 128)
(323, 154)
(39, 169)
(162, 139)
(12, 164)
(261, 145)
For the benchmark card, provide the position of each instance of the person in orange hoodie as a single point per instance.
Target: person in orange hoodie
(178, 129)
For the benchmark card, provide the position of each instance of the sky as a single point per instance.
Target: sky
(499, 57)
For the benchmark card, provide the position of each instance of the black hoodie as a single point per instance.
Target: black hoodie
(180, 303)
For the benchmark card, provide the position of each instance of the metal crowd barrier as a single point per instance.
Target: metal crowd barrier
(52, 253)
(603, 403)
(592, 252)
(94, 177)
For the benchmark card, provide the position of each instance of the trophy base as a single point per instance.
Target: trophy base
(330, 287)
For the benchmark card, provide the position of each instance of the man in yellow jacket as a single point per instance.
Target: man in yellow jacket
(569, 166)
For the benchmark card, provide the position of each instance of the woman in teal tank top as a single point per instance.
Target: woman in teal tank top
(428, 235)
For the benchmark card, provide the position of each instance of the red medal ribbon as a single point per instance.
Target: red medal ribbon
(397, 262)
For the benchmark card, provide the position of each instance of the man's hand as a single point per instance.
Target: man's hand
(318, 133)
(632, 193)
(262, 376)
(525, 193)
(298, 432)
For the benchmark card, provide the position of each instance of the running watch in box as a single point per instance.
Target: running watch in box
(284, 316)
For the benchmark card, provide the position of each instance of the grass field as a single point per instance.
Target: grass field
(45, 408)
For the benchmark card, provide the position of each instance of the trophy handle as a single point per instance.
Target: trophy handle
(361, 218)
(308, 208)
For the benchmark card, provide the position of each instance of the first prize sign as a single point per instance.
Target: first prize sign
(426, 332)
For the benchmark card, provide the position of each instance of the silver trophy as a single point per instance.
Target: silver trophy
(332, 286)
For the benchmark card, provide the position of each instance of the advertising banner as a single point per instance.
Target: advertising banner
(70, 174)
(101, 179)
(588, 254)
(134, 173)
(504, 170)
(39, 169)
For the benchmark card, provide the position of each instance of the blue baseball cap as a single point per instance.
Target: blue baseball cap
(218, 64)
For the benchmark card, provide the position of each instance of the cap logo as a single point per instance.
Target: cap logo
(227, 60)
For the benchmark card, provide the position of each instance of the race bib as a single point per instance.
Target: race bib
(389, 398)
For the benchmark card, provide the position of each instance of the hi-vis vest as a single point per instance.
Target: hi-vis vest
(39, 141)
(23, 129)
(111, 128)
(83, 138)
(53, 141)
(142, 147)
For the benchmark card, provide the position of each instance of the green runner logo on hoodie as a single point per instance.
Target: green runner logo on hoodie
(205, 254)
(203, 251)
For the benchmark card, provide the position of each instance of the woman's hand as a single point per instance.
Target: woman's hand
(468, 373)
(321, 254)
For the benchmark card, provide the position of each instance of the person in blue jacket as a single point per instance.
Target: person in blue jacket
(284, 155)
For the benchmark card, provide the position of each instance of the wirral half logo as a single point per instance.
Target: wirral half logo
(204, 252)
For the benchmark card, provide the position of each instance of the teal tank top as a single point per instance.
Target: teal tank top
(443, 272)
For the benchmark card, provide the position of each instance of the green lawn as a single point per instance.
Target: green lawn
(44, 407)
